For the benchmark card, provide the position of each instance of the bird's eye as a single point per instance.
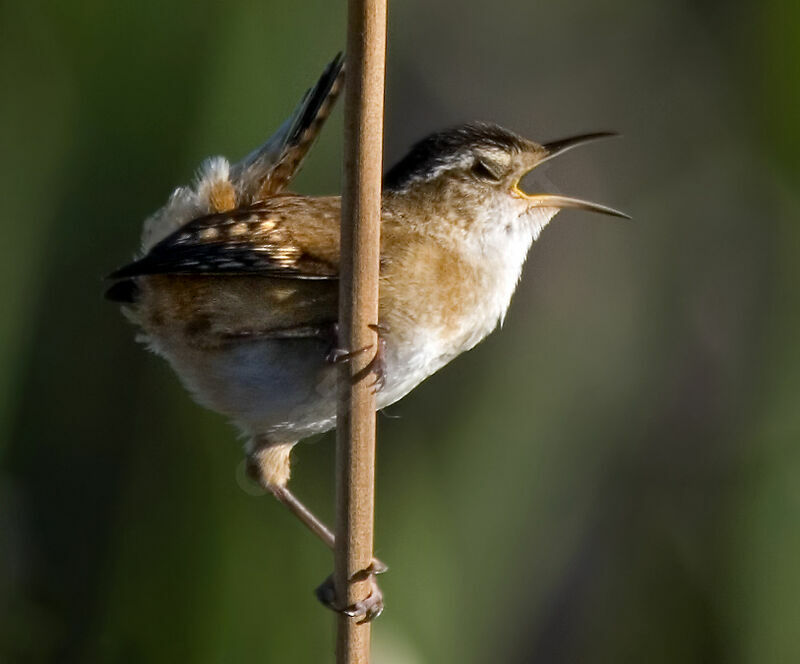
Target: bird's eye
(484, 171)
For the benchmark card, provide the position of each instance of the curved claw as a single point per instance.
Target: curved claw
(376, 366)
(340, 355)
(368, 608)
(377, 567)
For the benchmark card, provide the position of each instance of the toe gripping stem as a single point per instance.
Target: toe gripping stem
(365, 610)
(376, 366)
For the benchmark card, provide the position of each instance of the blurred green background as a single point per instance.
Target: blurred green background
(613, 477)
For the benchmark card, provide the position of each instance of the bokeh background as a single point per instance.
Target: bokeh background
(613, 477)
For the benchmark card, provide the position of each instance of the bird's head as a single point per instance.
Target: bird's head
(469, 176)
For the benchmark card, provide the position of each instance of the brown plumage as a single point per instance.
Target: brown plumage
(236, 285)
(251, 282)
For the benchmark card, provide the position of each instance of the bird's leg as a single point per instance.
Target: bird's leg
(269, 466)
(309, 519)
(365, 610)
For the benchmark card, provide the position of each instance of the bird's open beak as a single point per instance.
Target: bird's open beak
(554, 149)
(561, 202)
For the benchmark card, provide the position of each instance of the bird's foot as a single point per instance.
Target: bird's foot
(376, 366)
(338, 355)
(364, 610)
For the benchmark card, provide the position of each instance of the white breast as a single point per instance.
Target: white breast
(498, 257)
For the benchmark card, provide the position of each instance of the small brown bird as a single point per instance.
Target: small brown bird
(236, 283)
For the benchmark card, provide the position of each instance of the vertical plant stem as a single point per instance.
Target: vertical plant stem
(358, 308)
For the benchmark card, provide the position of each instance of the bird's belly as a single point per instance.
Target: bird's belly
(282, 388)
(408, 364)
(285, 389)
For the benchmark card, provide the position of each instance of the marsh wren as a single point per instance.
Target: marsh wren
(236, 282)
